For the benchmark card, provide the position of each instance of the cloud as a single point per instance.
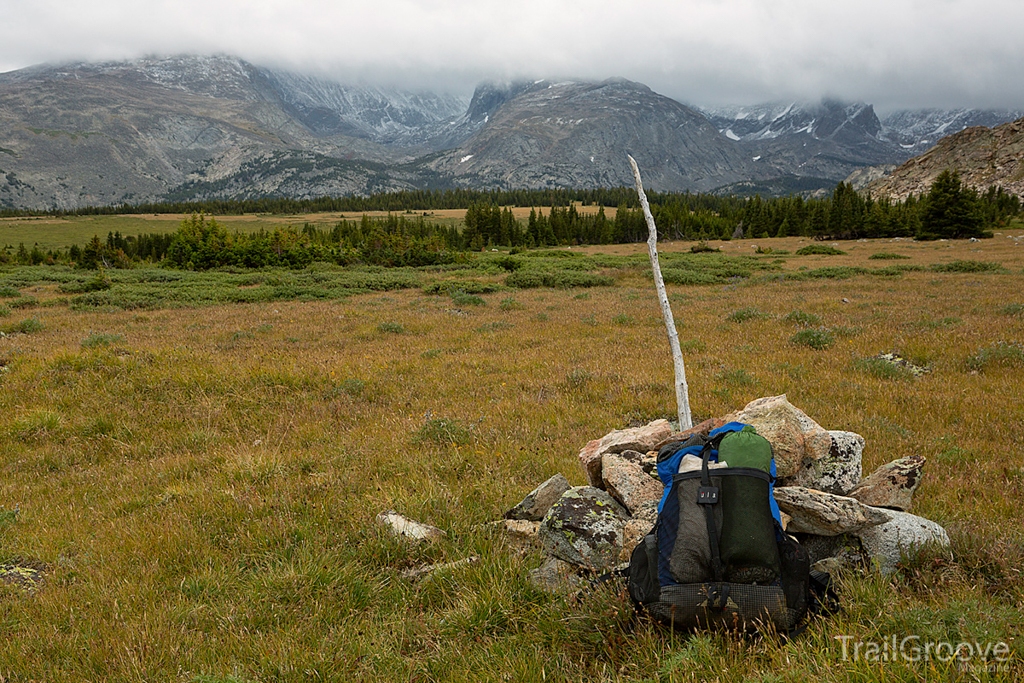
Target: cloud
(893, 53)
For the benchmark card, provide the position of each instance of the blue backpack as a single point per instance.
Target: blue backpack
(718, 557)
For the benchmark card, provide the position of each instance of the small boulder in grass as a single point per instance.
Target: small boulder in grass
(408, 529)
(892, 485)
(903, 536)
(639, 439)
(538, 501)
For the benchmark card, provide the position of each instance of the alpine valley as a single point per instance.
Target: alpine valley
(197, 127)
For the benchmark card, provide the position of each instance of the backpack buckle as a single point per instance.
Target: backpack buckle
(707, 495)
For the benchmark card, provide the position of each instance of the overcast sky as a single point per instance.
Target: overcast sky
(892, 53)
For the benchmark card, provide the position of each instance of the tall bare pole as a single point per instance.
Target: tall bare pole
(682, 391)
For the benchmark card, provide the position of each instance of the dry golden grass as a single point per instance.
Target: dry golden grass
(199, 484)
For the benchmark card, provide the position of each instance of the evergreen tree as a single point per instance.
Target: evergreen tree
(951, 210)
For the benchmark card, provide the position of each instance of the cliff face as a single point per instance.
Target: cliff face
(983, 157)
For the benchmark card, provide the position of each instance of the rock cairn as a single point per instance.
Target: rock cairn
(842, 518)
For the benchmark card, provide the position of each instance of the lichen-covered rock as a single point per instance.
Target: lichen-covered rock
(839, 471)
(628, 483)
(584, 528)
(539, 501)
(796, 439)
(892, 485)
(636, 439)
(825, 514)
(902, 536)
(638, 526)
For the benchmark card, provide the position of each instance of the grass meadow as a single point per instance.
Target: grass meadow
(190, 464)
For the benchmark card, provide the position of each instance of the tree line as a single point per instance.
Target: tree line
(949, 210)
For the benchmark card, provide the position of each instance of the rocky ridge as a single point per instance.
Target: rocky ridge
(983, 156)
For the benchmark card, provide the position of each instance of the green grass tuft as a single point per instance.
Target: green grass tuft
(819, 338)
(443, 432)
(389, 327)
(26, 326)
(802, 318)
(98, 339)
(887, 256)
(744, 314)
(999, 355)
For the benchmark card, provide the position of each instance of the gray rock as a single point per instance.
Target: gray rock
(825, 514)
(902, 536)
(796, 439)
(839, 471)
(892, 485)
(556, 576)
(584, 528)
(628, 483)
(638, 526)
(844, 548)
(539, 501)
(636, 439)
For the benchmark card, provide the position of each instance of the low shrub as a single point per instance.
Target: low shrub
(819, 250)
(461, 298)
(966, 266)
(559, 279)
(8, 292)
(887, 256)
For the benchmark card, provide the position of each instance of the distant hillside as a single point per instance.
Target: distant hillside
(983, 156)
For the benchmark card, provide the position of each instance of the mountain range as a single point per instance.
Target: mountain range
(194, 127)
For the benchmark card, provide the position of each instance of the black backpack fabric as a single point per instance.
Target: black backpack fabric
(718, 557)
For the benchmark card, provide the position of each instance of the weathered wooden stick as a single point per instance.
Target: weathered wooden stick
(682, 391)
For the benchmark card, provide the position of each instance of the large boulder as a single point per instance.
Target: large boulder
(639, 439)
(796, 439)
(892, 485)
(825, 514)
(628, 483)
(584, 528)
(839, 471)
(902, 536)
(539, 501)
